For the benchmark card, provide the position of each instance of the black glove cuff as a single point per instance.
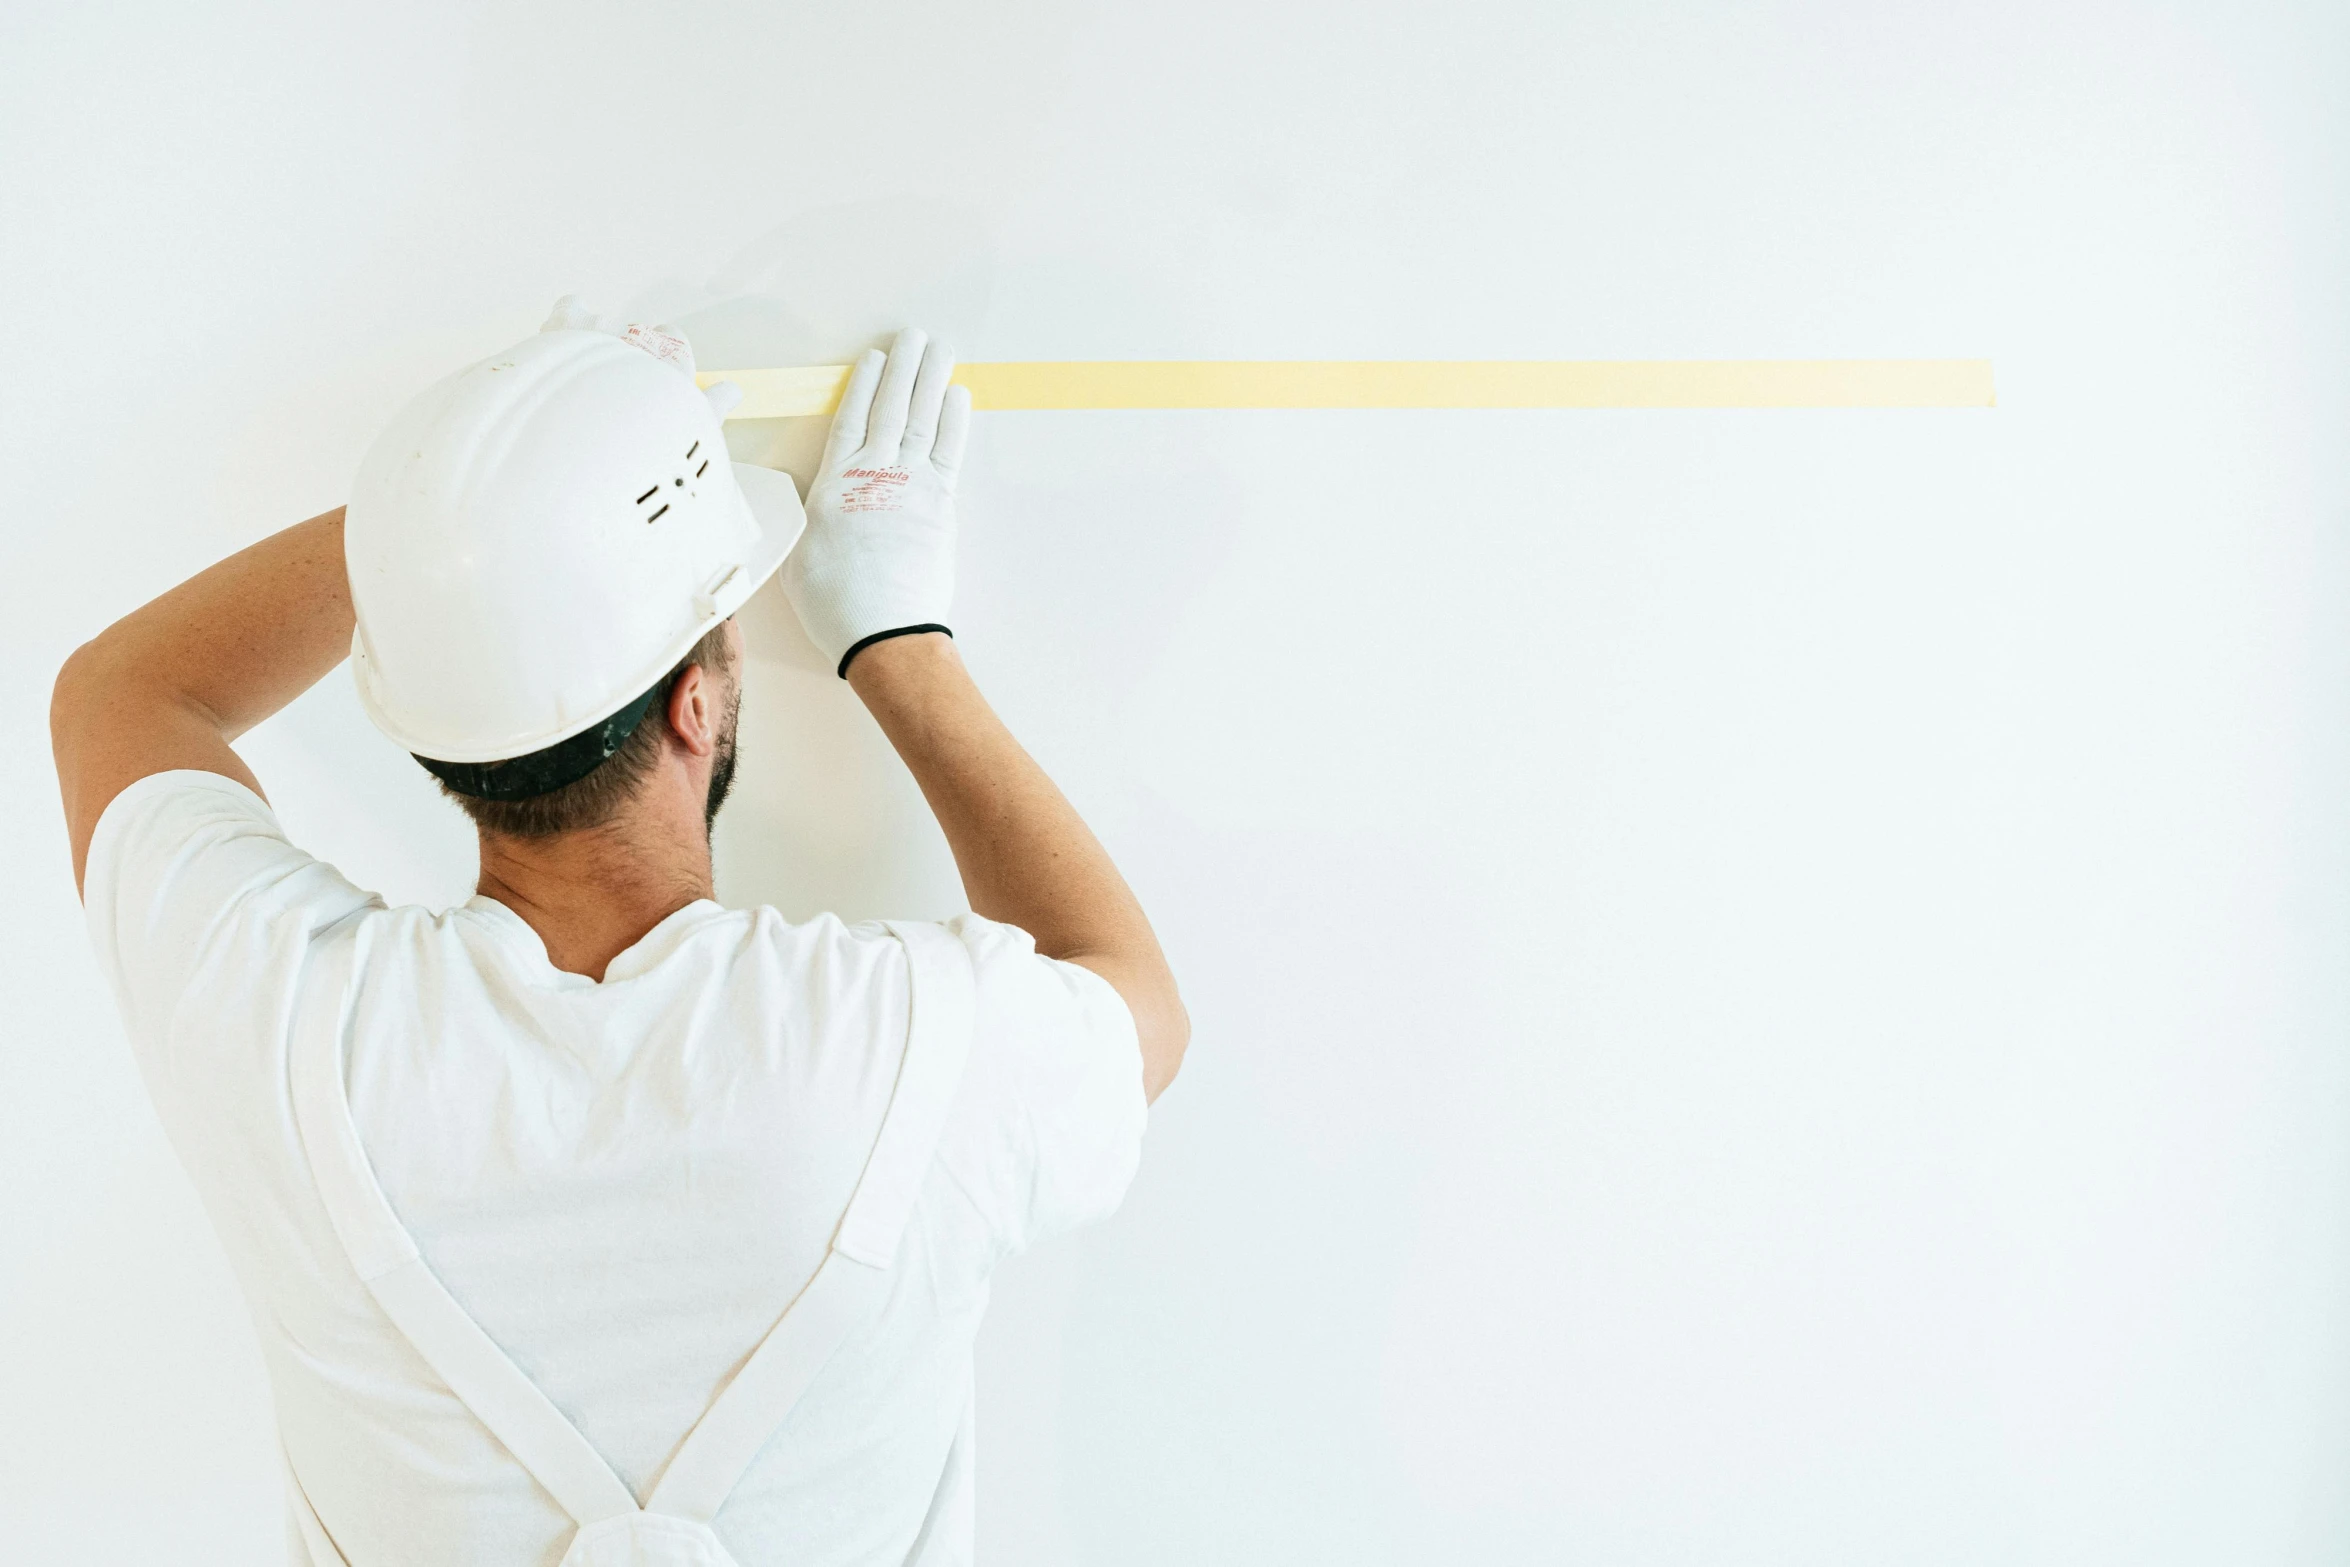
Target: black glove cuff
(883, 636)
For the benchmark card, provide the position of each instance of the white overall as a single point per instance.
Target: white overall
(672, 1528)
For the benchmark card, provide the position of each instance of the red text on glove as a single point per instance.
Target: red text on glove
(873, 489)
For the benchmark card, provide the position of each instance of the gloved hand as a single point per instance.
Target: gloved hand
(878, 559)
(664, 342)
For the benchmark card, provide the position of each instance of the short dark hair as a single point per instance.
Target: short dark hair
(595, 799)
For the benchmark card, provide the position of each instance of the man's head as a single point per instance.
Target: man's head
(549, 533)
(684, 741)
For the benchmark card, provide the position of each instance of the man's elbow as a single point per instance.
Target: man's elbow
(72, 693)
(1164, 1032)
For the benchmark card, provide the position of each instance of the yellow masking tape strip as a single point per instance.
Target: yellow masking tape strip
(1411, 383)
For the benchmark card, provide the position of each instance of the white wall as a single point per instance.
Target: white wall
(1770, 987)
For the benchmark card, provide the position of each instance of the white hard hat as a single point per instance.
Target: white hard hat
(538, 539)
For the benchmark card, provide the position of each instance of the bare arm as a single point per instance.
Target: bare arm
(172, 683)
(1026, 857)
(872, 581)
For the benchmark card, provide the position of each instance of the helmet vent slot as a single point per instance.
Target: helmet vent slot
(648, 495)
(689, 451)
(656, 517)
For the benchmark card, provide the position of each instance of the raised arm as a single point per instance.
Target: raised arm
(872, 581)
(172, 683)
(1026, 857)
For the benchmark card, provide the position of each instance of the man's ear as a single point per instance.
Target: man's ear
(696, 710)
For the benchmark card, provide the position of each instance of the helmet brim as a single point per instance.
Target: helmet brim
(775, 506)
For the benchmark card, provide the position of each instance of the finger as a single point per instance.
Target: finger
(954, 423)
(856, 404)
(930, 389)
(892, 397)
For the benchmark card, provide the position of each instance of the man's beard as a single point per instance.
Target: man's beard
(722, 767)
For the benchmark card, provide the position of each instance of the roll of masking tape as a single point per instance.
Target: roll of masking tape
(812, 390)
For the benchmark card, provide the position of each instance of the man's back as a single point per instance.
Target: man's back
(624, 1183)
(590, 1221)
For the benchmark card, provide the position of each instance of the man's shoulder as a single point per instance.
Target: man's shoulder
(985, 938)
(186, 863)
(172, 805)
(826, 955)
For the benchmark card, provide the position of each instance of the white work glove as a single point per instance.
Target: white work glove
(664, 342)
(878, 558)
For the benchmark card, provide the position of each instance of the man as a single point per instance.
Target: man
(589, 1218)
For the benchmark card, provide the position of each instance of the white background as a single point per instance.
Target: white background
(1770, 987)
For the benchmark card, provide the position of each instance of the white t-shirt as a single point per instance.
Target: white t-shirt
(623, 1182)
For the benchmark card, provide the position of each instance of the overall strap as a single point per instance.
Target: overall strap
(386, 1259)
(852, 1284)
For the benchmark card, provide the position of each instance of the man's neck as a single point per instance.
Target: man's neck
(592, 895)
